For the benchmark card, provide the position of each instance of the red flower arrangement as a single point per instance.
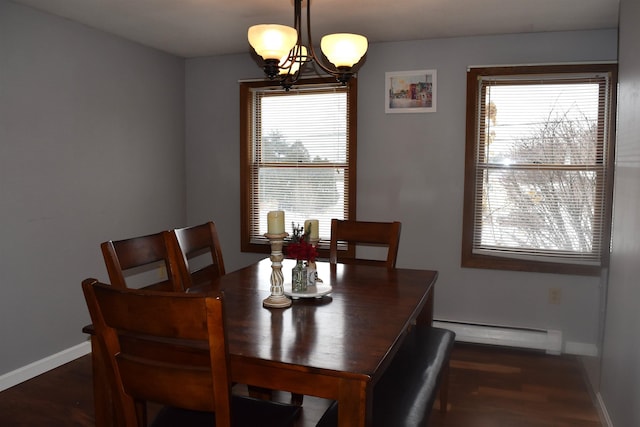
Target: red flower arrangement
(302, 250)
(299, 248)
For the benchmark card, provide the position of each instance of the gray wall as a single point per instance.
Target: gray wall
(410, 168)
(213, 148)
(620, 382)
(91, 149)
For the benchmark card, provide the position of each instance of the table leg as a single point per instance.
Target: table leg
(426, 315)
(354, 405)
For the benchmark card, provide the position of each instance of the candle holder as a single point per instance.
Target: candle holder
(277, 299)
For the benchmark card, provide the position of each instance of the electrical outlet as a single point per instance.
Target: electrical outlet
(555, 296)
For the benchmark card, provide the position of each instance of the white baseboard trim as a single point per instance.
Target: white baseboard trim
(581, 349)
(602, 409)
(43, 365)
(548, 340)
(551, 341)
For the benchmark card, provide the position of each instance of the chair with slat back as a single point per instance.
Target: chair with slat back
(383, 234)
(125, 255)
(171, 348)
(202, 240)
(195, 242)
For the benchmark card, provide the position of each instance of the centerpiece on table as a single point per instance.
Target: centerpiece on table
(300, 249)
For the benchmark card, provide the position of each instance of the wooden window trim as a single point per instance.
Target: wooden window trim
(245, 160)
(474, 260)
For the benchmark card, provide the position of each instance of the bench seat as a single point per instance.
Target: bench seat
(405, 394)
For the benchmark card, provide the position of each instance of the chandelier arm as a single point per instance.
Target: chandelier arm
(311, 49)
(289, 79)
(297, 20)
(296, 54)
(297, 25)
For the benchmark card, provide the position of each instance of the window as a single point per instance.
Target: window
(298, 154)
(538, 168)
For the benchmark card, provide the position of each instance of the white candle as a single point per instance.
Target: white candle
(275, 222)
(312, 225)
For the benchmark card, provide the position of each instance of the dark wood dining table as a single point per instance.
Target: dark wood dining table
(333, 347)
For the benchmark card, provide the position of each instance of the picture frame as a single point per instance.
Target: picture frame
(411, 91)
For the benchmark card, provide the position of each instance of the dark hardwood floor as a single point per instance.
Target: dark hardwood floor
(497, 387)
(489, 387)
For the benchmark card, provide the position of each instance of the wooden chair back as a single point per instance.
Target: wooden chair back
(383, 234)
(196, 241)
(122, 255)
(149, 336)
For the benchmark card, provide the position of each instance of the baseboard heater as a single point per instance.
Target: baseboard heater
(538, 339)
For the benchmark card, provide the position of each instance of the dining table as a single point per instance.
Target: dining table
(333, 345)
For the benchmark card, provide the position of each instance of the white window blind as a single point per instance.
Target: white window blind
(300, 156)
(541, 167)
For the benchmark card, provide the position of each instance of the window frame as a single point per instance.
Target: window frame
(469, 259)
(246, 155)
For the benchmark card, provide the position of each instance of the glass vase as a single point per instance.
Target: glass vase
(299, 277)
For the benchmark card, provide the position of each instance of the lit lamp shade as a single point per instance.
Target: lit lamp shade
(344, 50)
(284, 64)
(272, 41)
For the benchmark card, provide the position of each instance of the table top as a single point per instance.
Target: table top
(354, 330)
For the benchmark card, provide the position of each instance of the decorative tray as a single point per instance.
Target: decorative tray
(315, 291)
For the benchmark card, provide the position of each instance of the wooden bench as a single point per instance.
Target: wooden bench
(405, 394)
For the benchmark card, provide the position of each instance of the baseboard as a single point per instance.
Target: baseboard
(548, 340)
(43, 365)
(602, 409)
(581, 349)
(551, 341)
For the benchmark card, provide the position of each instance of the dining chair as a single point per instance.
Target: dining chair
(199, 253)
(354, 233)
(193, 243)
(171, 348)
(138, 254)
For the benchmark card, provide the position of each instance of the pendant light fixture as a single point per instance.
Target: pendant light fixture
(284, 53)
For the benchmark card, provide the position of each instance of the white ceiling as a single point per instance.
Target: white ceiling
(191, 28)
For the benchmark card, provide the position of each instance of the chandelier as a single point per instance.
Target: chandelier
(284, 53)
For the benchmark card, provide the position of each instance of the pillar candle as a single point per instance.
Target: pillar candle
(312, 224)
(275, 222)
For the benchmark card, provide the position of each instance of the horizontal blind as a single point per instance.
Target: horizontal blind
(541, 167)
(300, 160)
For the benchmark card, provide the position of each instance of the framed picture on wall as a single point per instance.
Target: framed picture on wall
(410, 91)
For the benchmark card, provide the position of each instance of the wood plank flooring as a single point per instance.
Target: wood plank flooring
(489, 387)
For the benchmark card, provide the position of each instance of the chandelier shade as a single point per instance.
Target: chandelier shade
(284, 54)
(272, 41)
(344, 50)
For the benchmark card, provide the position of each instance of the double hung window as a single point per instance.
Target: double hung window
(297, 155)
(538, 168)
